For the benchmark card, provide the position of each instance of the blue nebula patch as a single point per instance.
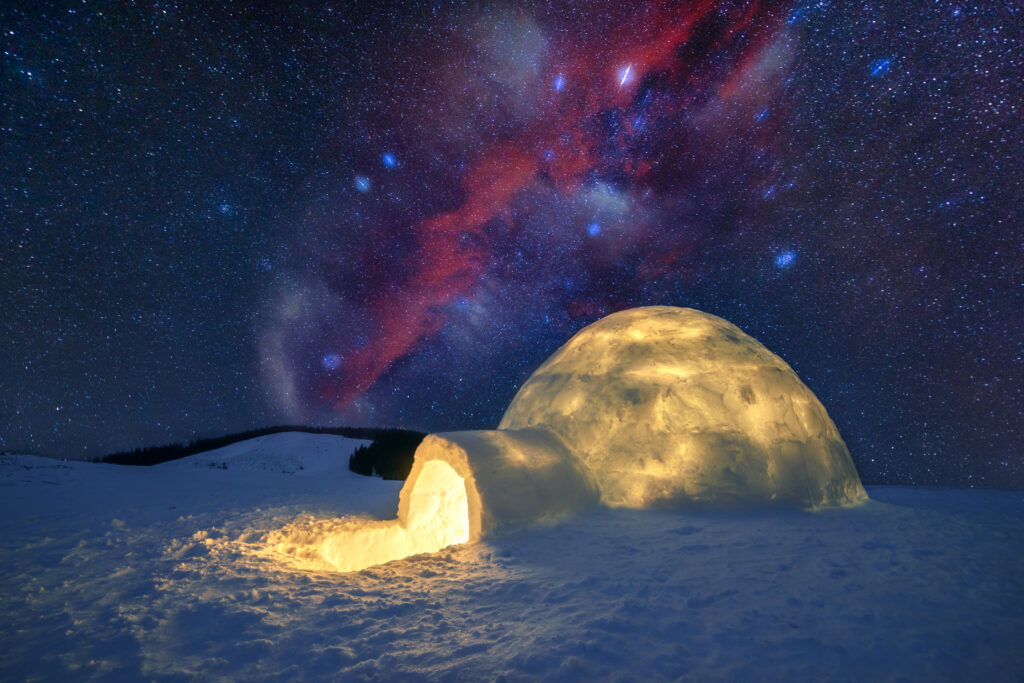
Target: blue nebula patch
(331, 361)
(559, 83)
(785, 259)
(594, 229)
(362, 183)
(389, 160)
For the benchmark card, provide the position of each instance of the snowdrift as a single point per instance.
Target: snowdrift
(654, 406)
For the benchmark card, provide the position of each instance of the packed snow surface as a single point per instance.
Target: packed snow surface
(673, 406)
(205, 568)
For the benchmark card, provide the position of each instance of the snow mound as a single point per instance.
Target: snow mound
(669, 405)
(299, 453)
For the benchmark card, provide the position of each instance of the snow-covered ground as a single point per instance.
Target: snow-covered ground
(121, 573)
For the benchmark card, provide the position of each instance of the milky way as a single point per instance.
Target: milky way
(611, 139)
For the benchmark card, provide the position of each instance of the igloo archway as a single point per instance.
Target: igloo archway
(463, 486)
(655, 406)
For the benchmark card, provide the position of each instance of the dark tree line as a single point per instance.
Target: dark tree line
(389, 456)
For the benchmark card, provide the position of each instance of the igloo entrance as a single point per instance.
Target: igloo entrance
(463, 485)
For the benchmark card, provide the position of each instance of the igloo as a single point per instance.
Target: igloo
(671, 406)
(655, 406)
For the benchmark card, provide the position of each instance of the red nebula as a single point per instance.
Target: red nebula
(560, 143)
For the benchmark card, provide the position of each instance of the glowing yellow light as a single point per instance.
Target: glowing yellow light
(438, 516)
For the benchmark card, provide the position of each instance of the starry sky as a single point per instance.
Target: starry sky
(218, 216)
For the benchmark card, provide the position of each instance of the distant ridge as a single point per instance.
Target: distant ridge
(154, 455)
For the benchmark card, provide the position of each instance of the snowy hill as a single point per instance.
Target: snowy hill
(165, 573)
(286, 453)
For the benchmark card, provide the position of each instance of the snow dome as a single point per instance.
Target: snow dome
(671, 405)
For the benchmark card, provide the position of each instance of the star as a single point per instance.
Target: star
(880, 67)
(625, 74)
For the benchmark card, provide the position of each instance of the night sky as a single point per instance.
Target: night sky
(217, 217)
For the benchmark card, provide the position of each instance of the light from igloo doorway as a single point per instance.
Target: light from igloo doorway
(437, 516)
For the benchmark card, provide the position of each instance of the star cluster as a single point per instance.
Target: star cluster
(217, 218)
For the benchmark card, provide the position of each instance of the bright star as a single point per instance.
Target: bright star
(389, 159)
(625, 75)
(879, 67)
(362, 183)
(594, 229)
(559, 83)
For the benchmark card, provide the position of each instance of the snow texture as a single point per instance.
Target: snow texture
(176, 572)
(672, 406)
